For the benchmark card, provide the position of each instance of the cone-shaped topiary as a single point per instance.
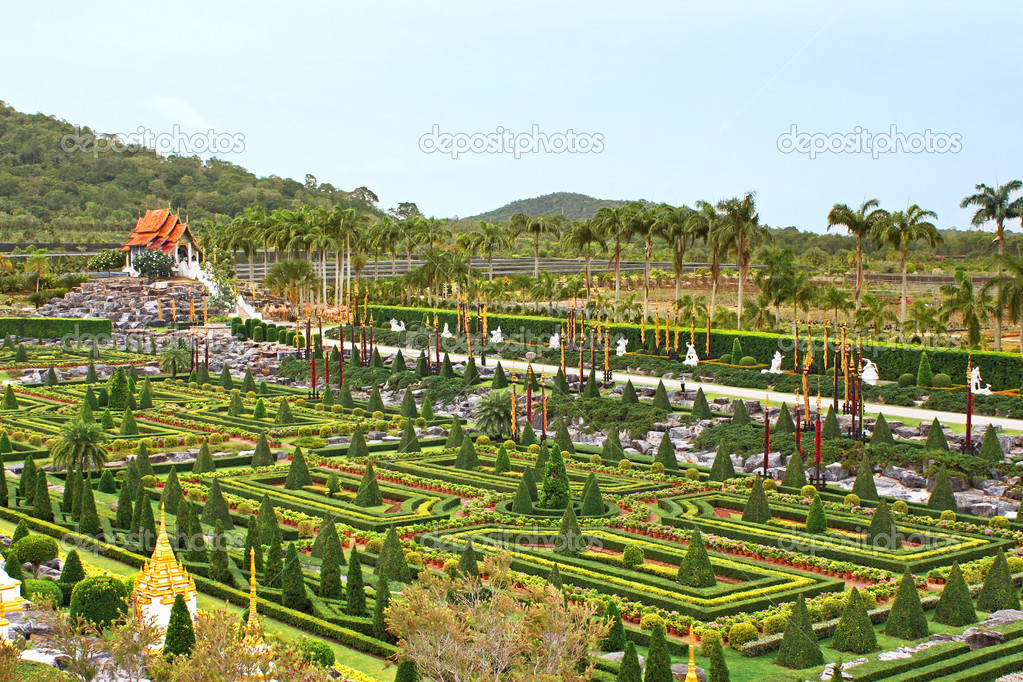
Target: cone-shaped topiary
(666, 454)
(293, 590)
(409, 440)
(106, 420)
(500, 379)
(936, 438)
(467, 564)
(593, 499)
(757, 509)
(117, 390)
(455, 434)
(658, 660)
(882, 433)
(795, 476)
(180, 637)
(592, 389)
(562, 439)
(107, 482)
(883, 533)
(146, 527)
(408, 406)
(942, 497)
(5, 443)
(784, 423)
(171, 496)
(375, 403)
(855, 633)
(284, 415)
(392, 558)
(816, 518)
(10, 402)
(695, 569)
(90, 374)
(226, 382)
(722, 469)
(830, 430)
(955, 607)
(71, 500)
(554, 577)
(382, 599)
(701, 410)
(717, 669)
(369, 490)
(216, 507)
(42, 507)
(528, 436)
(267, 520)
(27, 481)
(864, 485)
(252, 543)
(998, 591)
(799, 648)
(740, 416)
(906, 619)
(124, 508)
(204, 462)
(615, 638)
(523, 503)
(924, 377)
(355, 591)
(472, 374)
(612, 450)
(345, 397)
(146, 397)
(661, 401)
(570, 539)
(629, 393)
(51, 377)
(262, 456)
(195, 541)
(274, 568)
(298, 472)
(991, 448)
(502, 464)
(331, 586)
(629, 670)
(70, 574)
(555, 492)
(540, 466)
(128, 425)
(467, 458)
(248, 382)
(219, 570)
(259, 411)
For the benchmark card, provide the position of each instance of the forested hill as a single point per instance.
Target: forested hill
(47, 193)
(573, 206)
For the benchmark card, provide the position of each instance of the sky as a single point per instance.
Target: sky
(668, 101)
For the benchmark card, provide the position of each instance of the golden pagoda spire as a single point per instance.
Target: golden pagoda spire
(252, 624)
(163, 576)
(163, 549)
(691, 674)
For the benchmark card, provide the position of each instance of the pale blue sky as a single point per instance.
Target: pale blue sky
(690, 98)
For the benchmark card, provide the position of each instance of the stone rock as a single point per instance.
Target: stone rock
(617, 656)
(755, 462)
(834, 472)
(1001, 617)
(978, 639)
(680, 670)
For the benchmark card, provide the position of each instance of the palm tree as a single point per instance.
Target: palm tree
(744, 231)
(583, 237)
(291, 277)
(834, 299)
(757, 313)
(80, 444)
(680, 227)
(873, 312)
(535, 226)
(924, 318)
(493, 414)
(1010, 290)
(469, 243)
(901, 230)
(860, 224)
(174, 358)
(493, 236)
(544, 288)
(574, 289)
(641, 225)
(613, 223)
(38, 266)
(711, 227)
(973, 307)
(994, 203)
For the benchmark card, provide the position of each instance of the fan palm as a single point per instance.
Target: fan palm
(174, 358)
(971, 306)
(291, 277)
(1009, 285)
(996, 203)
(679, 226)
(901, 230)
(860, 224)
(493, 414)
(80, 444)
(38, 267)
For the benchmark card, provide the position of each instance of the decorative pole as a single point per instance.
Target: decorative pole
(708, 334)
(582, 342)
(207, 349)
(845, 370)
(691, 671)
(817, 437)
(514, 410)
(592, 346)
(341, 365)
(543, 406)
(561, 344)
(312, 386)
(859, 381)
(607, 353)
(174, 312)
(529, 394)
(767, 432)
(834, 396)
(795, 357)
(799, 429)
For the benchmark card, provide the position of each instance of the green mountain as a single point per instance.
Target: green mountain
(569, 204)
(57, 185)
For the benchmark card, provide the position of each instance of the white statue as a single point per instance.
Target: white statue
(975, 383)
(620, 346)
(869, 372)
(446, 334)
(692, 359)
(555, 343)
(397, 326)
(496, 336)
(775, 364)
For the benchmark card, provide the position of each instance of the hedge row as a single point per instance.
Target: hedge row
(54, 327)
(1002, 370)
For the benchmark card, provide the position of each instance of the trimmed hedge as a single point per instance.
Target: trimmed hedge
(53, 327)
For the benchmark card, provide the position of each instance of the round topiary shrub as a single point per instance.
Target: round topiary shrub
(414, 559)
(192, 439)
(44, 590)
(483, 440)
(305, 431)
(207, 387)
(215, 439)
(693, 474)
(657, 468)
(808, 492)
(381, 424)
(358, 412)
(451, 568)
(420, 422)
(149, 481)
(533, 449)
(900, 507)
(595, 460)
(726, 358)
(344, 430)
(770, 484)
(741, 633)
(170, 441)
(250, 395)
(319, 407)
(194, 385)
(337, 409)
(775, 624)
(246, 508)
(948, 515)
(316, 651)
(999, 522)
(633, 555)
(650, 620)
(305, 529)
(747, 361)
(35, 439)
(374, 546)
(852, 500)
(377, 416)
(942, 381)
(301, 402)
(625, 465)
(325, 431)
(99, 600)
(906, 380)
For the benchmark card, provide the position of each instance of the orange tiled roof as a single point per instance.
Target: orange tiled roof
(158, 229)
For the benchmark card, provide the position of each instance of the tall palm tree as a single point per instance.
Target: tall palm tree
(80, 444)
(38, 266)
(493, 237)
(535, 226)
(680, 227)
(174, 358)
(971, 306)
(469, 244)
(901, 230)
(744, 231)
(583, 237)
(873, 312)
(860, 224)
(1009, 285)
(996, 203)
(613, 223)
(711, 226)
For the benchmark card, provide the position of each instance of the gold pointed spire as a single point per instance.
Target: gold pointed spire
(163, 576)
(691, 674)
(252, 625)
(163, 549)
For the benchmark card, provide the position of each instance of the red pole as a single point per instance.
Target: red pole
(767, 438)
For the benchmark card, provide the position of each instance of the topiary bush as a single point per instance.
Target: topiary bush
(942, 380)
(747, 361)
(906, 380)
(742, 633)
(633, 555)
(100, 600)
